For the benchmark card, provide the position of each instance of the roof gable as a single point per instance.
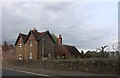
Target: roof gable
(46, 33)
(35, 34)
(39, 35)
(23, 38)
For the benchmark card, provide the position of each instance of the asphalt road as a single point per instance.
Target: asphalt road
(10, 73)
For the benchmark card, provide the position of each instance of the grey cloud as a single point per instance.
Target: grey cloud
(69, 19)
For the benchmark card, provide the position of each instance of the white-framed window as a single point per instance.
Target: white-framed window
(30, 55)
(49, 55)
(20, 57)
(20, 44)
(31, 42)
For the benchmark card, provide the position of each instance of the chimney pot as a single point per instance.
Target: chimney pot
(60, 40)
(60, 36)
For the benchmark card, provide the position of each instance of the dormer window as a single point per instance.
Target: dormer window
(20, 44)
(30, 42)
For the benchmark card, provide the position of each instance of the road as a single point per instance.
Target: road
(10, 73)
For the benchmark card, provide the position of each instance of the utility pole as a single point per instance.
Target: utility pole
(43, 50)
(119, 47)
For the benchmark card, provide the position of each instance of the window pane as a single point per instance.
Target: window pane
(30, 55)
(30, 42)
(20, 44)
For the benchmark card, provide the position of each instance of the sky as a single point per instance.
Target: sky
(86, 25)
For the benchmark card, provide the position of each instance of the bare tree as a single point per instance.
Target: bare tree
(115, 47)
(102, 50)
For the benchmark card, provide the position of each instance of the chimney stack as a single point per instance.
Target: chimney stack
(60, 40)
(34, 29)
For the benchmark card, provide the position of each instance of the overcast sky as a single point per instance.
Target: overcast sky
(86, 25)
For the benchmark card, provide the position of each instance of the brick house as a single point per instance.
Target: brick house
(37, 45)
(8, 52)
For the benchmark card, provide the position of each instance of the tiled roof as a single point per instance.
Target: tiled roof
(38, 35)
(41, 34)
(35, 33)
(72, 49)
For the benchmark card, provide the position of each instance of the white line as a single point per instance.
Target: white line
(27, 72)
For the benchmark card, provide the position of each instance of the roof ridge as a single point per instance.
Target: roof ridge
(43, 32)
(23, 34)
(68, 45)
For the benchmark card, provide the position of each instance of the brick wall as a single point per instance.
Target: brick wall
(108, 66)
(31, 49)
(19, 50)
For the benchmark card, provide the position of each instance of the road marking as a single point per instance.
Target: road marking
(27, 72)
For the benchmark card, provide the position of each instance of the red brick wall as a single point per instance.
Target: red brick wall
(19, 50)
(66, 52)
(61, 51)
(33, 49)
